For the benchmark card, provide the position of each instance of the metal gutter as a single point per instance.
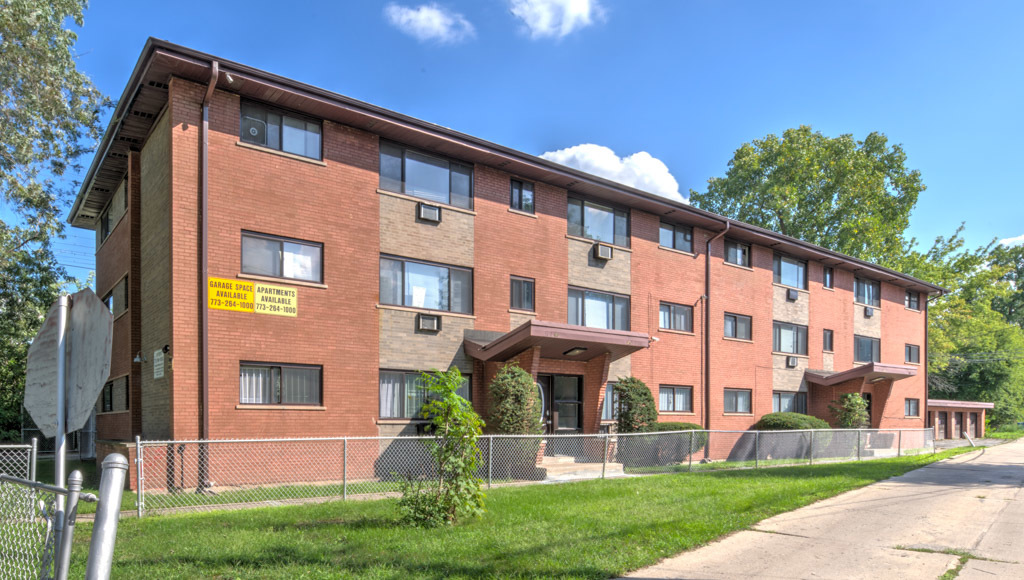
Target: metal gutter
(707, 324)
(205, 249)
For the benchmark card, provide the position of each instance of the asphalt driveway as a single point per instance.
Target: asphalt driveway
(904, 527)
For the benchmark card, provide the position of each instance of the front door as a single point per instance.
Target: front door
(563, 403)
(972, 425)
(941, 421)
(958, 425)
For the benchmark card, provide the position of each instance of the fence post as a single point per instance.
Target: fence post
(490, 462)
(70, 514)
(757, 448)
(689, 466)
(344, 469)
(811, 453)
(899, 443)
(858, 443)
(139, 498)
(104, 531)
(33, 457)
(604, 458)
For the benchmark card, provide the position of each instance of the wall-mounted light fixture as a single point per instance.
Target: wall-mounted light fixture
(139, 357)
(575, 351)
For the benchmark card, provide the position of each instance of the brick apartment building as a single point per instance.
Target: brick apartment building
(282, 261)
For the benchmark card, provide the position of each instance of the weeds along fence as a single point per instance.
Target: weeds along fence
(19, 459)
(201, 474)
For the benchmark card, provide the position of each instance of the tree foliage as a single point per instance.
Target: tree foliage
(49, 118)
(1011, 305)
(637, 411)
(454, 489)
(854, 197)
(515, 402)
(851, 411)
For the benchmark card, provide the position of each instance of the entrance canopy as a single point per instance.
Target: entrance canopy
(870, 372)
(559, 341)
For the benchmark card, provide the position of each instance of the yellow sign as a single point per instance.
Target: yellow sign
(276, 300)
(225, 294)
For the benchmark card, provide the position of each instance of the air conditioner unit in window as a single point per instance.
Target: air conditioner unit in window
(254, 130)
(792, 294)
(868, 312)
(428, 213)
(791, 362)
(602, 252)
(428, 322)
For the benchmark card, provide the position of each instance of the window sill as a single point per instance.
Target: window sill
(672, 331)
(408, 197)
(790, 354)
(744, 340)
(675, 251)
(911, 416)
(425, 310)
(105, 413)
(731, 265)
(912, 309)
(281, 153)
(519, 311)
(879, 308)
(916, 364)
(282, 281)
(829, 288)
(790, 287)
(402, 421)
(241, 407)
(738, 414)
(828, 352)
(590, 241)
(119, 316)
(679, 413)
(522, 213)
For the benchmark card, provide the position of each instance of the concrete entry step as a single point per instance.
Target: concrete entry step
(567, 471)
(557, 460)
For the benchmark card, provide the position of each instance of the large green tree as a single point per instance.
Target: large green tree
(1011, 305)
(49, 118)
(851, 196)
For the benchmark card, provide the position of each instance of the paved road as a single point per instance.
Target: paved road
(973, 502)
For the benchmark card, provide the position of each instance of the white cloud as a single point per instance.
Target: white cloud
(640, 170)
(430, 22)
(1013, 241)
(556, 18)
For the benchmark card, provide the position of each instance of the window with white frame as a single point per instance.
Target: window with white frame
(403, 393)
(675, 399)
(428, 177)
(279, 384)
(278, 257)
(416, 284)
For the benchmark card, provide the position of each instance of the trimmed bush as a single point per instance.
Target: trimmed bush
(636, 406)
(515, 404)
(788, 422)
(787, 447)
(668, 450)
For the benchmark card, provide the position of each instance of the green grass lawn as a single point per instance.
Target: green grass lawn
(591, 529)
(90, 482)
(1004, 434)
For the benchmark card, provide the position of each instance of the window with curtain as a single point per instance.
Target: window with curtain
(435, 179)
(598, 309)
(784, 402)
(675, 317)
(610, 408)
(676, 237)
(675, 399)
(867, 349)
(421, 285)
(278, 384)
(403, 393)
(737, 400)
(790, 272)
(276, 129)
(867, 292)
(737, 253)
(598, 222)
(278, 257)
(789, 338)
(737, 326)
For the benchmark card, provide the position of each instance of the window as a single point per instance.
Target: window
(108, 397)
(276, 129)
(610, 409)
(737, 400)
(522, 196)
(279, 384)
(598, 309)
(737, 253)
(826, 340)
(867, 349)
(424, 176)
(913, 353)
(912, 300)
(912, 407)
(117, 299)
(598, 222)
(783, 402)
(278, 257)
(676, 237)
(105, 224)
(114, 397)
(522, 293)
(790, 272)
(675, 399)
(676, 317)
(421, 285)
(830, 278)
(737, 326)
(789, 338)
(867, 292)
(403, 394)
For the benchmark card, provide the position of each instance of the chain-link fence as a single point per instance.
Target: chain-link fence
(27, 534)
(18, 460)
(197, 475)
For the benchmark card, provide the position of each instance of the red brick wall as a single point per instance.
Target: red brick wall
(902, 326)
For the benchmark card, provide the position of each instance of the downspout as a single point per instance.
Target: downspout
(707, 326)
(204, 250)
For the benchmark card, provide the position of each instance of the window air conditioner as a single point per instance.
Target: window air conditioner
(428, 322)
(428, 213)
(602, 252)
(255, 130)
(791, 362)
(868, 312)
(792, 294)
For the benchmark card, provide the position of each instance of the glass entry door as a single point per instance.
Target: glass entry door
(563, 403)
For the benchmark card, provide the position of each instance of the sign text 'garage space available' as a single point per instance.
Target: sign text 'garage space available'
(242, 296)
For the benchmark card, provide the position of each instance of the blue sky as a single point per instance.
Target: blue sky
(672, 88)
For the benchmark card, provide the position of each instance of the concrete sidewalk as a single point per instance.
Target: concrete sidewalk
(973, 502)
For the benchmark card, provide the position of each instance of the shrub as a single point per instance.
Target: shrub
(852, 411)
(671, 426)
(454, 490)
(515, 403)
(789, 421)
(636, 406)
(697, 442)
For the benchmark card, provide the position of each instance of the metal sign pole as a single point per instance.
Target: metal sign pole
(63, 305)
